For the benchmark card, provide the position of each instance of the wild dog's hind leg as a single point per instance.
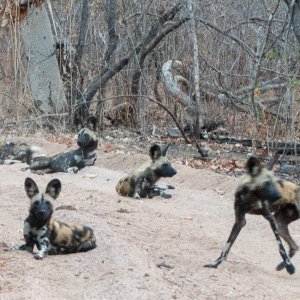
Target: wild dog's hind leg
(240, 222)
(268, 215)
(87, 245)
(283, 218)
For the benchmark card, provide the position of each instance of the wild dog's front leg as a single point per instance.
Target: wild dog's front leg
(283, 218)
(240, 222)
(43, 248)
(29, 239)
(138, 189)
(43, 243)
(161, 189)
(28, 246)
(268, 215)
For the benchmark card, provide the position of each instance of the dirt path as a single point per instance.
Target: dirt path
(134, 237)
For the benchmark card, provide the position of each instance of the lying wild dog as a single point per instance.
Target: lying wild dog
(72, 161)
(276, 200)
(141, 182)
(49, 235)
(11, 152)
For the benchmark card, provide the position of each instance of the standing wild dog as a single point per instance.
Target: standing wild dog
(72, 161)
(49, 235)
(11, 152)
(141, 182)
(276, 200)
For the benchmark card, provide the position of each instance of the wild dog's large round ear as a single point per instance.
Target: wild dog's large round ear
(253, 166)
(92, 123)
(78, 123)
(31, 187)
(164, 152)
(155, 152)
(53, 188)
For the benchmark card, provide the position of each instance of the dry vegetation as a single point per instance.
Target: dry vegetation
(248, 65)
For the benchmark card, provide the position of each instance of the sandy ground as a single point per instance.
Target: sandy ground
(147, 249)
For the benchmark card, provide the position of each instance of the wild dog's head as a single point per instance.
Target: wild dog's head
(87, 137)
(161, 166)
(41, 204)
(260, 183)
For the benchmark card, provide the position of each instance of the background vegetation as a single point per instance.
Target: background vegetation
(110, 54)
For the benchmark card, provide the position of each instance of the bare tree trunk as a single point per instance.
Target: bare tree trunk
(294, 10)
(45, 81)
(196, 69)
(260, 53)
(76, 73)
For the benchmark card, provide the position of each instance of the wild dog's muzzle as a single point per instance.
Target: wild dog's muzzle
(42, 210)
(166, 170)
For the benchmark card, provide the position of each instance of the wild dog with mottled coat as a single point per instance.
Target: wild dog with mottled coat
(42, 230)
(278, 201)
(72, 161)
(141, 182)
(12, 152)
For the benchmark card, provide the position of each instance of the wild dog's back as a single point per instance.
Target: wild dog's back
(67, 238)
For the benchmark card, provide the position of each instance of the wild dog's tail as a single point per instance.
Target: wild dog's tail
(26, 154)
(123, 187)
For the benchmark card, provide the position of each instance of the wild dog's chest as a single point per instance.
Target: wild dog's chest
(35, 234)
(147, 176)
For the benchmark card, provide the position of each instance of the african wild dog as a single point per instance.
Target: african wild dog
(141, 182)
(276, 200)
(72, 161)
(49, 235)
(11, 152)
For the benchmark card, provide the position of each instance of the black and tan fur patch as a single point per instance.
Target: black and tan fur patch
(47, 234)
(72, 161)
(141, 183)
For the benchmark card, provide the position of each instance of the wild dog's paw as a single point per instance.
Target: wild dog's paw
(290, 269)
(21, 247)
(136, 196)
(72, 170)
(38, 256)
(165, 195)
(171, 187)
(213, 266)
(16, 247)
(281, 266)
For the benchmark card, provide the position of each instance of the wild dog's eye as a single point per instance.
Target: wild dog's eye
(48, 203)
(165, 165)
(36, 203)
